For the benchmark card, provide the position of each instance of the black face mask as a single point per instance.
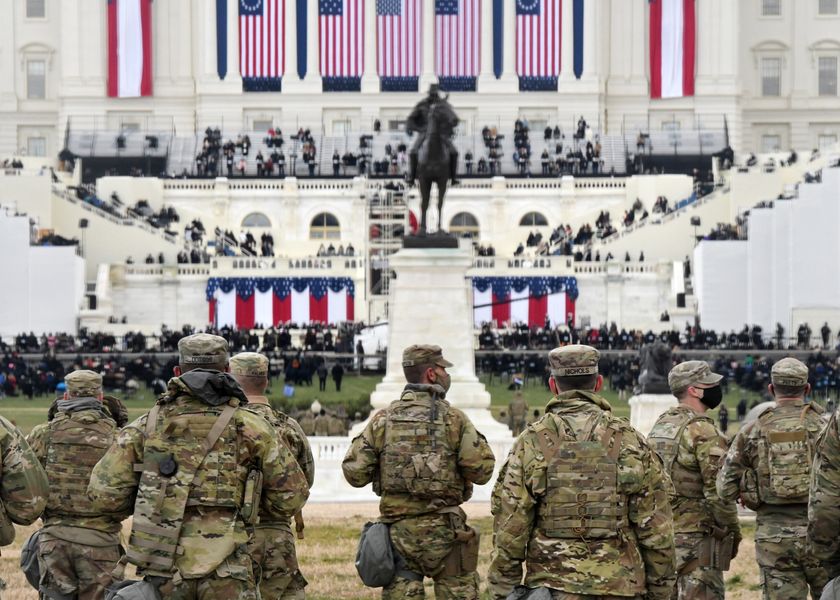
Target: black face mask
(712, 397)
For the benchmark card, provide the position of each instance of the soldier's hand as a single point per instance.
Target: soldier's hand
(736, 543)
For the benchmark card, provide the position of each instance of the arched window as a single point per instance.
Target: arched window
(256, 220)
(324, 226)
(464, 225)
(533, 219)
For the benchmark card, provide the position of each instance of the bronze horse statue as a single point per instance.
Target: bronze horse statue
(433, 166)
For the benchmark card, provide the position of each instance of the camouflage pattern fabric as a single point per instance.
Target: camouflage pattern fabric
(24, 487)
(272, 546)
(702, 583)
(689, 373)
(215, 498)
(824, 500)
(232, 579)
(75, 569)
(425, 541)
(322, 425)
(420, 534)
(638, 559)
(787, 566)
(518, 413)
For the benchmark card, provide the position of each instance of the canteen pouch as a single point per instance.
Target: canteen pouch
(715, 551)
(463, 558)
(520, 592)
(723, 551)
(375, 562)
(29, 560)
(251, 501)
(749, 490)
(133, 590)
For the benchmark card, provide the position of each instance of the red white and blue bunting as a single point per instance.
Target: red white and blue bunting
(524, 300)
(246, 302)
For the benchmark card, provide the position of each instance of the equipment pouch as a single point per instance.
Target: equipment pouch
(706, 552)
(520, 592)
(251, 501)
(133, 590)
(723, 551)
(7, 528)
(749, 490)
(469, 552)
(375, 562)
(463, 557)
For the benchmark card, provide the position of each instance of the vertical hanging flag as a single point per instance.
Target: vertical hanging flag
(341, 26)
(262, 26)
(538, 44)
(129, 48)
(399, 42)
(498, 37)
(221, 38)
(577, 12)
(301, 32)
(673, 29)
(457, 44)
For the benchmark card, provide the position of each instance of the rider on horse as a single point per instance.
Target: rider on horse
(418, 121)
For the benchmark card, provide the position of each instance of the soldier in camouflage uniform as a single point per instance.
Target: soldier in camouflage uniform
(769, 466)
(517, 413)
(582, 499)
(273, 545)
(423, 457)
(79, 545)
(192, 472)
(692, 449)
(23, 484)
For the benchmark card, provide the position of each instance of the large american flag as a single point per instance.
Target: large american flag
(342, 30)
(399, 37)
(262, 26)
(457, 38)
(538, 38)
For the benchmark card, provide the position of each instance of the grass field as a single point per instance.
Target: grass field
(354, 393)
(326, 556)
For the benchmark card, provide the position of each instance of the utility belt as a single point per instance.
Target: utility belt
(713, 551)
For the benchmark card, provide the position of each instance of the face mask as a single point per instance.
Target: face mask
(444, 380)
(712, 397)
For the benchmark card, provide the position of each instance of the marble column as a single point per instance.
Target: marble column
(370, 78)
(509, 42)
(591, 10)
(567, 41)
(427, 73)
(313, 49)
(233, 76)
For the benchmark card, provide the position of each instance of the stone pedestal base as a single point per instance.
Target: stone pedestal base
(431, 303)
(646, 408)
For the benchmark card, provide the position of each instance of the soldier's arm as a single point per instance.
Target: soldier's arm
(824, 499)
(304, 453)
(709, 450)
(24, 488)
(285, 488)
(475, 457)
(649, 512)
(362, 459)
(37, 440)
(113, 481)
(728, 481)
(514, 503)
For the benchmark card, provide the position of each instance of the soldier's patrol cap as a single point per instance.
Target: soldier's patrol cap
(574, 360)
(249, 363)
(203, 349)
(424, 354)
(790, 372)
(83, 383)
(692, 372)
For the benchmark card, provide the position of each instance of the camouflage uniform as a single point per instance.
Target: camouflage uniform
(23, 483)
(518, 413)
(322, 425)
(422, 480)
(768, 465)
(79, 546)
(272, 546)
(582, 501)
(190, 502)
(691, 447)
(824, 500)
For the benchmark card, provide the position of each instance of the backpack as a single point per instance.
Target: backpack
(785, 475)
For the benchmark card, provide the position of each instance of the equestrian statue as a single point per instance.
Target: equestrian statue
(433, 157)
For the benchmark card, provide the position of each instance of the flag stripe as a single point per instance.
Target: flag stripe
(262, 41)
(673, 47)
(457, 46)
(538, 40)
(129, 48)
(342, 40)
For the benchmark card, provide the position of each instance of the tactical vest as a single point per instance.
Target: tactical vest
(417, 458)
(582, 499)
(75, 443)
(665, 439)
(785, 454)
(173, 454)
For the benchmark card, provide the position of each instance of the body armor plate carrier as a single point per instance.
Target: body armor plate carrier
(784, 467)
(665, 439)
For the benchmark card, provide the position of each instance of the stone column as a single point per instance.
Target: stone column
(370, 78)
(567, 41)
(486, 75)
(427, 73)
(509, 76)
(290, 74)
(312, 83)
(233, 77)
(591, 16)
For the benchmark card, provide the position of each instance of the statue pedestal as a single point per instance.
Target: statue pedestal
(431, 303)
(646, 408)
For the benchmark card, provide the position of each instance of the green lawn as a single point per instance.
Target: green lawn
(355, 392)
